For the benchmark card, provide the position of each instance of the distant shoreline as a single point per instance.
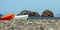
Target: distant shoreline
(43, 17)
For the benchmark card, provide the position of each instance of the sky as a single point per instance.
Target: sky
(16, 6)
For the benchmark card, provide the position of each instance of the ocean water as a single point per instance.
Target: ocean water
(43, 17)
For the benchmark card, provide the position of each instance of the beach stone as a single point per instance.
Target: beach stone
(29, 22)
(0, 26)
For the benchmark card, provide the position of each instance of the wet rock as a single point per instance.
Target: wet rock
(47, 13)
(35, 14)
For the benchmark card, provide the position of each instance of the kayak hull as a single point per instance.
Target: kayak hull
(7, 17)
(14, 17)
(21, 17)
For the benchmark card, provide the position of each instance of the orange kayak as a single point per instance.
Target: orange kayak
(7, 17)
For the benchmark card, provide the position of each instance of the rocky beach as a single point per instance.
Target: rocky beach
(29, 14)
(31, 24)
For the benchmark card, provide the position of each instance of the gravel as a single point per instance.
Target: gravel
(31, 24)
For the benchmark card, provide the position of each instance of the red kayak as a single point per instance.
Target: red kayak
(7, 17)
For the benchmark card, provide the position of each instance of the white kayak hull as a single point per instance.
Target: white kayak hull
(21, 17)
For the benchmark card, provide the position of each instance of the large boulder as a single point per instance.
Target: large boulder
(35, 14)
(47, 13)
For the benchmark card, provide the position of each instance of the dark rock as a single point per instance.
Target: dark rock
(47, 13)
(35, 14)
